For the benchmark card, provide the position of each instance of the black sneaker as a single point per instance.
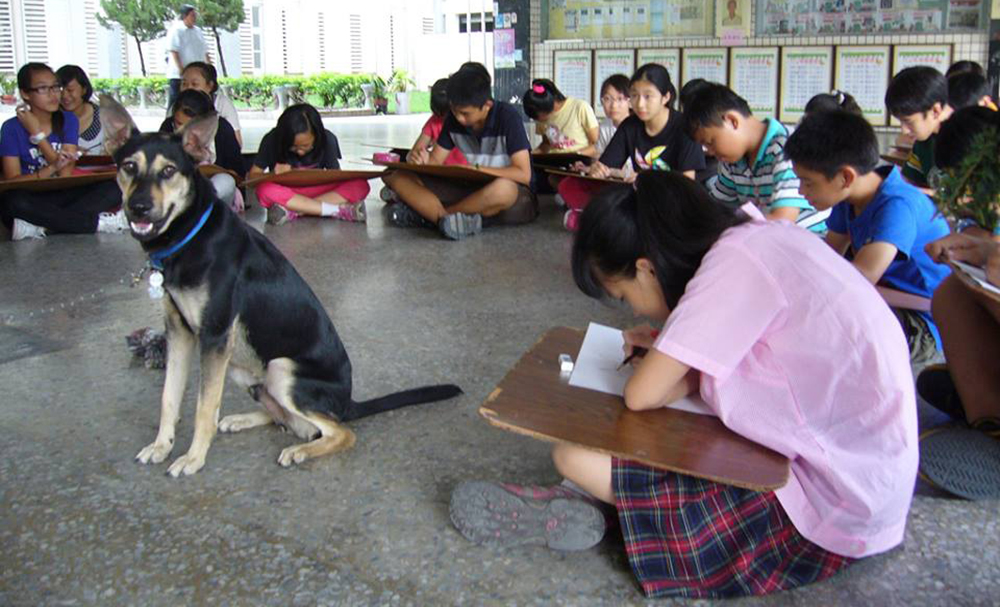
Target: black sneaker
(460, 225)
(936, 387)
(402, 216)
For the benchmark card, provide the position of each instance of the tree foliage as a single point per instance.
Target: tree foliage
(143, 20)
(215, 15)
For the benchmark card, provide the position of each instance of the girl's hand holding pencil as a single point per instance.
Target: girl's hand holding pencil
(638, 341)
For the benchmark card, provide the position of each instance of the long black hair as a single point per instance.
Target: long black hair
(667, 218)
(300, 118)
(541, 98)
(24, 83)
(68, 73)
(192, 103)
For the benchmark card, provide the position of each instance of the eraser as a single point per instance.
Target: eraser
(565, 363)
(385, 157)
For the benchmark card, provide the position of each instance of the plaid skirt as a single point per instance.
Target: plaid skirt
(695, 538)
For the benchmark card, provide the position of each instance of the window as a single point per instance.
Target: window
(256, 52)
(255, 19)
(476, 22)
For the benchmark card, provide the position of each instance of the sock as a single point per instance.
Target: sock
(329, 209)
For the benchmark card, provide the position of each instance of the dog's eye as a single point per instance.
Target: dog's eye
(167, 172)
(129, 167)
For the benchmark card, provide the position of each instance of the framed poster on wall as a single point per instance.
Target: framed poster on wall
(753, 74)
(805, 71)
(710, 63)
(608, 62)
(669, 58)
(937, 56)
(863, 71)
(572, 72)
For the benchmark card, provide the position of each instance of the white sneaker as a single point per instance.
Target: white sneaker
(22, 229)
(111, 223)
(560, 202)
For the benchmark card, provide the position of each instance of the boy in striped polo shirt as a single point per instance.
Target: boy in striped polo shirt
(751, 153)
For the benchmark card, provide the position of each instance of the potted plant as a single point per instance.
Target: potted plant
(8, 89)
(398, 84)
(380, 94)
(972, 190)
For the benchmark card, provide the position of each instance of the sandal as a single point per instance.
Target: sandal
(491, 514)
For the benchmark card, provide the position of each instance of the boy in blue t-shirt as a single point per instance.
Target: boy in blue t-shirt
(491, 135)
(883, 219)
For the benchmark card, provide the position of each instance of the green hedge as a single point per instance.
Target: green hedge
(331, 90)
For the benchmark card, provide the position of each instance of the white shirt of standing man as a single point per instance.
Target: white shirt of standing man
(186, 43)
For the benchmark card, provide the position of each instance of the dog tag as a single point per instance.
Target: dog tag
(155, 285)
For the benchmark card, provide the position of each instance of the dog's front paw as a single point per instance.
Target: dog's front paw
(293, 455)
(154, 453)
(186, 464)
(243, 421)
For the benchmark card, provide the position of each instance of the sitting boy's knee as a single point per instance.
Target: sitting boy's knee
(945, 296)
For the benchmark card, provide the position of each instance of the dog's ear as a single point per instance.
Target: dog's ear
(198, 138)
(116, 123)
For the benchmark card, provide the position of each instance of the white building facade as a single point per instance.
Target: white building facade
(427, 38)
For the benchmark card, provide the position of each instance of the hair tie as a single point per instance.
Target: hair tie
(539, 89)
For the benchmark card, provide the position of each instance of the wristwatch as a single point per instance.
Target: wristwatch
(37, 138)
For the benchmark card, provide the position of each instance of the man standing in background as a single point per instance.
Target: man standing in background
(185, 44)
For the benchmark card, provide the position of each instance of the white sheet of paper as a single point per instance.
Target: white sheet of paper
(597, 367)
(978, 275)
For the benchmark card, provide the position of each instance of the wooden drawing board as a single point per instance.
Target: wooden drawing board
(450, 171)
(534, 400)
(565, 173)
(57, 183)
(307, 177)
(558, 159)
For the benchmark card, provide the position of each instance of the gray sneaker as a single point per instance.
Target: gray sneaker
(22, 230)
(489, 514)
(459, 225)
(402, 215)
(278, 215)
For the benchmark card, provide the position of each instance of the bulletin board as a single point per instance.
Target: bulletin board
(806, 71)
(710, 63)
(572, 71)
(937, 56)
(753, 75)
(618, 19)
(846, 17)
(608, 62)
(669, 58)
(863, 71)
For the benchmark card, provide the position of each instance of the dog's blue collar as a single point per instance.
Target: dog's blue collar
(156, 258)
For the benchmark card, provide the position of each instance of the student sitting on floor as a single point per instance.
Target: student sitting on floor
(788, 345)
(440, 109)
(575, 192)
(962, 458)
(202, 76)
(41, 142)
(751, 152)
(653, 138)
(76, 93)
(492, 138)
(885, 221)
(565, 124)
(918, 98)
(968, 90)
(834, 100)
(300, 141)
(224, 151)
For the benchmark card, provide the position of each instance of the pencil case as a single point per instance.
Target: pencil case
(385, 157)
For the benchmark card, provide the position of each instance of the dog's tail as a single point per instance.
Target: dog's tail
(416, 396)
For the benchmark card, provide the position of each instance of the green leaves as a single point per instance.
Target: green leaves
(972, 190)
(143, 20)
(220, 14)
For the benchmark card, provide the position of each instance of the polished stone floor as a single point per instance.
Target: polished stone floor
(82, 524)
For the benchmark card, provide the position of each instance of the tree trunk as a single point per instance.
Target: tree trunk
(218, 47)
(142, 61)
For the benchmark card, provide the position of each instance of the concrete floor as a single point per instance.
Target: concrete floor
(82, 524)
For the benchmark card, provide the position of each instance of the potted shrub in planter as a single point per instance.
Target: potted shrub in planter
(380, 94)
(398, 84)
(8, 89)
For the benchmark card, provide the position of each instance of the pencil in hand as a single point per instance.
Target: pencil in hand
(636, 351)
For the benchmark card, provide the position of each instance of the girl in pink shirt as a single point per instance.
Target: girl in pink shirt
(788, 346)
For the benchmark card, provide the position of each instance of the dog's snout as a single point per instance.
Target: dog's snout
(139, 206)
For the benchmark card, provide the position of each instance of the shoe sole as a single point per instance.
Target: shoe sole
(276, 215)
(488, 515)
(962, 461)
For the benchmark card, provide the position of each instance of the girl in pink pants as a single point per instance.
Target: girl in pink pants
(299, 141)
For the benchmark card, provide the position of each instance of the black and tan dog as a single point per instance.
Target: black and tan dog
(230, 292)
